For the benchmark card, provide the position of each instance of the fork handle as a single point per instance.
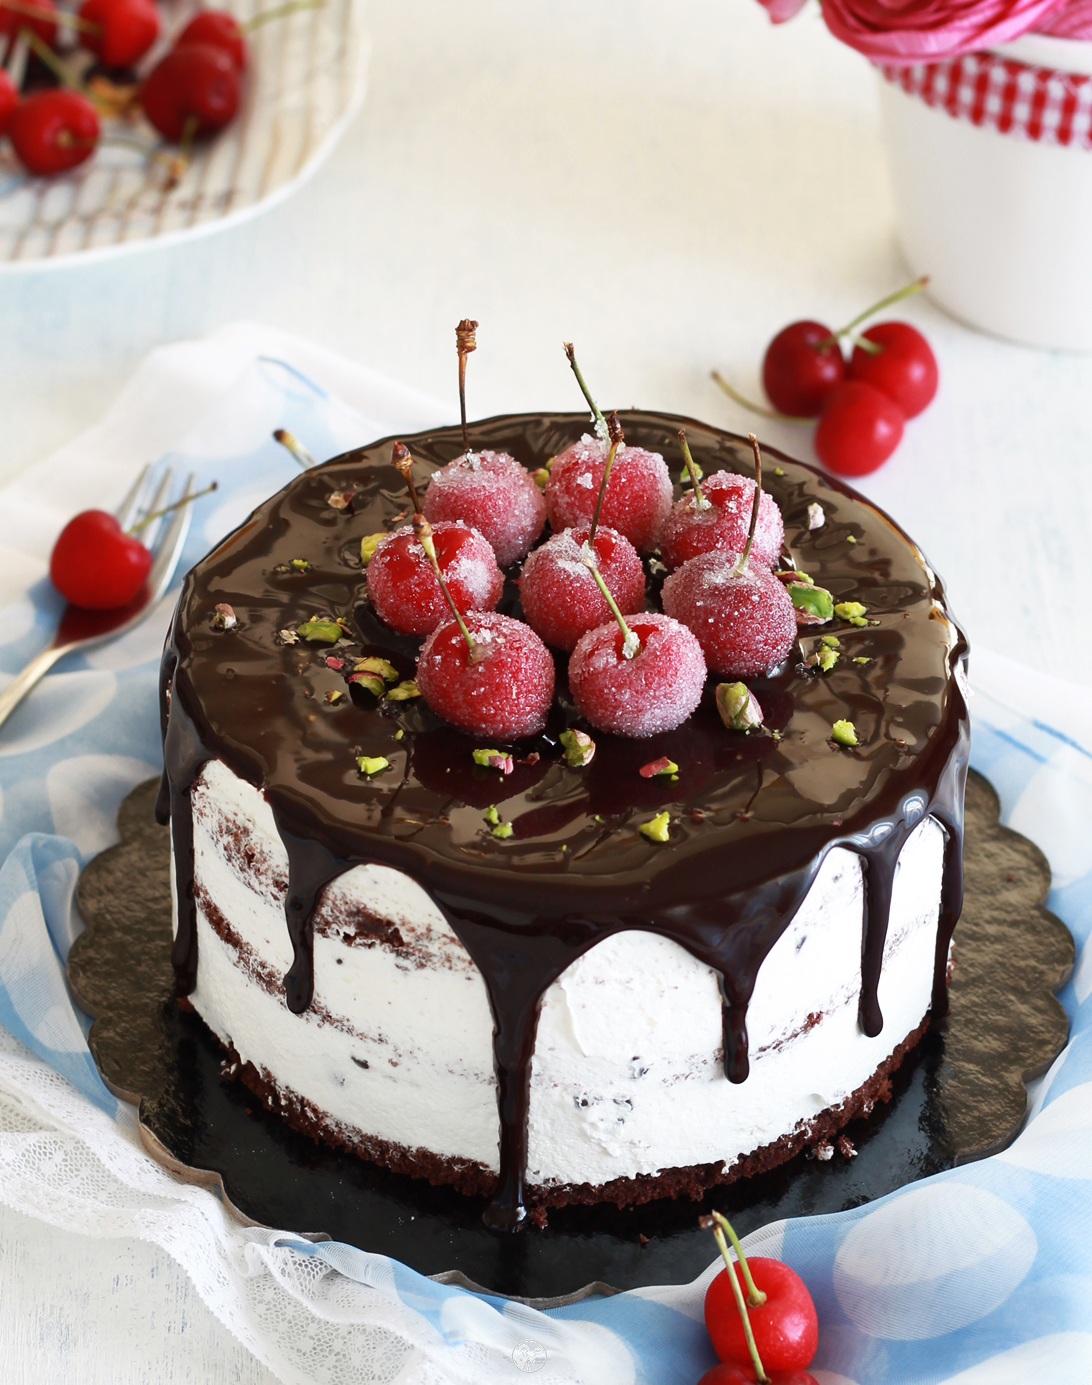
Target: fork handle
(23, 681)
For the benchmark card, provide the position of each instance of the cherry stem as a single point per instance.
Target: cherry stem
(168, 509)
(600, 421)
(423, 529)
(755, 1296)
(617, 437)
(907, 292)
(465, 342)
(741, 566)
(43, 51)
(700, 500)
(749, 404)
(719, 1225)
(402, 461)
(51, 16)
(297, 449)
(277, 12)
(631, 645)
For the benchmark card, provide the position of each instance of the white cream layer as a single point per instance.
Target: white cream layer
(628, 1069)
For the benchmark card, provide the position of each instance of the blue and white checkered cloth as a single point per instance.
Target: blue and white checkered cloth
(978, 1276)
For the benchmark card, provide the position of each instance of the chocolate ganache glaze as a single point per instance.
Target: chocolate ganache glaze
(751, 816)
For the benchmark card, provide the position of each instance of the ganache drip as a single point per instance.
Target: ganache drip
(525, 911)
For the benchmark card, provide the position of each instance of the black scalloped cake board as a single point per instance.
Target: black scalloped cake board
(958, 1097)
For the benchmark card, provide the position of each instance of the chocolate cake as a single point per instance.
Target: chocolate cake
(572, 1010)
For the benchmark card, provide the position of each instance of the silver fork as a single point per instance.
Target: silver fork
(82, 629)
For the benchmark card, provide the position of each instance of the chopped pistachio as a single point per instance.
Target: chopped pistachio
(738, 707)
(399, 734)
(296, 565)
(787, 575)
(382, 667)
(579, 748)
(320, 631)
(844, 733)
(368, 544)
(372, 764)
(369, 682)
(288, 636)
(813, 605)
(491, 816)
(335, 696)
(597, 818)
(850, 539)
(827, 657)
(540, 476)
(404, 691)
(862, 660)
(332, 661)
(657, 828)
(224, 618)
(779, 471)
(655, 768)
(339, 500)
(817, 516)
(831, 641)
(494, 759)
(852, 611)
(502, 830)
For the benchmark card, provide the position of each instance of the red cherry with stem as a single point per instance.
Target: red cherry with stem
(54, 130)
(904, 368)
(14, 17)
(640, 694)
(802, 365)
(560, 597)
(126, 30)
(403, 587)
(221, 30)
(9, 99)
(715, 515)
(859, 429)
(192, 91)
(95, 564)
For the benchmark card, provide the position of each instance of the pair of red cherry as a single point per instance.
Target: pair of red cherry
(194, 90)
(118, 32)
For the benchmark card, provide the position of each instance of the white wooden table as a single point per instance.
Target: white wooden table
(666, 185)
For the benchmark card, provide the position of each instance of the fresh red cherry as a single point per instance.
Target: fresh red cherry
(53, 130)
(502, 687)
(221, 30)
(195, 87)
(404, 589)
(653, 687)
(785, 1327)
(723, 1374)
(859, 429)
(9, 99)
(905, 369)
(95, 564)
(126, 30)
(802, 365)
(492, 491)
(559, 595)
(12, 20)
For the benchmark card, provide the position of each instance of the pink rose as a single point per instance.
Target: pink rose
(922, 31)
(1071, 20)
(780, 10)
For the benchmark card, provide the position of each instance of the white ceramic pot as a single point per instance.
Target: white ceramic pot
(1002, 225)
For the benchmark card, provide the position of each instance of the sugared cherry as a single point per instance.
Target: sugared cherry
(905, 368)
(494, 493)
(12, 20)
(9, 99)
(637, 499)
(502, 688)
(125, 31)
(802, 365)
(859, 429)
(637, 677)
(53, 130)
(194, 90)
(220, 29)
(95, 564)
(693, 528)
(404, 589)
(559, 595)
(785, 1327)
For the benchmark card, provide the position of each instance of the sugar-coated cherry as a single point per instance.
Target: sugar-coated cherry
(53, 130)
(494, 493)
(654, 690)
(506, 694)
(725, 1374)
(221, 30)
(744, 621)
(905, 370)
(560, 597)
(12, 20)
(637, 499)
(723, 525)
(802, 365)
(403, 587)
(859, 429)
(197, 86)
(126, 30)
(95, 564)
(785, 1327)
(9, 99)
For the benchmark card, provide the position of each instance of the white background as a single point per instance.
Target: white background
(666, 185)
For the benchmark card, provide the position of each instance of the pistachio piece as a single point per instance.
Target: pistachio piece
(491, 816)
(738, 707)
(844, 733)
(817, 516)
(813, 605)
(657, 828)
(382, 667)
(851, 611)
(831, 641)
(404, 691)
(540, 476)
(320, 631)
(850, 539)
(399, 734)
(494, 759)
(335, 696)
(579, 748)
(340, 500)
(296, 565)
(332, 661)
(862, 660)
(224, 618)
(779, 471)
(369, 682)
(372, 764)
(368, 544)
(288, 636)
(654, 768)
(502, 830)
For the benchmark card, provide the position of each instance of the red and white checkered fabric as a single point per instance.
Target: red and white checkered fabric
(1033, 103)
